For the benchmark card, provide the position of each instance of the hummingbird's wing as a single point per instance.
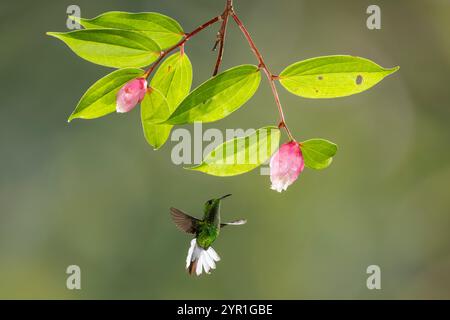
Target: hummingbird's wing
(234, 223)
(183, 221)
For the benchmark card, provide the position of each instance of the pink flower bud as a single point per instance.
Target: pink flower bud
(131, 94)
(285, 166)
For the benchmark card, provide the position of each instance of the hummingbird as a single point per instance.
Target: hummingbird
(201, 256)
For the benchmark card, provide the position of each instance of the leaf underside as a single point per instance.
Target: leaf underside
(173, 81)
(241, 155)
(318, 153)
(219, 96)
(162, 29)
(111, 47)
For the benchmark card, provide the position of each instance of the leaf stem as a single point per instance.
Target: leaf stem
(271, 77)
(186, 37)
(221, 35)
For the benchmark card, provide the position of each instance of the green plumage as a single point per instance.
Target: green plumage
(207, 235)
(209, 228)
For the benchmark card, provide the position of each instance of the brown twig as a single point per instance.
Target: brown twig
(271, 77)
(222, 35)
(180, 44)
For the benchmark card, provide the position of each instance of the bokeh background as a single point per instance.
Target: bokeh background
(93, 193)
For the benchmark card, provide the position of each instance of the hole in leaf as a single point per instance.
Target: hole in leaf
(359, 79)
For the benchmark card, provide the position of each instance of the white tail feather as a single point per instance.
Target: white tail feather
(201, 259)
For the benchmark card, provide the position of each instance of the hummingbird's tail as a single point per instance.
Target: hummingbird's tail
(199, 259)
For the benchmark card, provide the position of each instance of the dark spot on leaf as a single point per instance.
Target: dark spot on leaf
(359, 79)
(317, 91)
(320, 77)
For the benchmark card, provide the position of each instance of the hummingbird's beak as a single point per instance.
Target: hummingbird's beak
(225, 196)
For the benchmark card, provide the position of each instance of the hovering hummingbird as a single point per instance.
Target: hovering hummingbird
(201, 256)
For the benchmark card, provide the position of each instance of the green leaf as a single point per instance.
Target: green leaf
(241, 155)
(173, 81)
(157, 135)
(155, 109)
(318, 153)
(162, 29)
(110, 47)
(219, 96)
(100, 99)
(332, 76)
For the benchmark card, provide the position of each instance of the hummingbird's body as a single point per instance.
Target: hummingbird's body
(209, 228)
(207, 235)
(201, 255)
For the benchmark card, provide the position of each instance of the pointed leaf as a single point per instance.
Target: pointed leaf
(219, 96)
(110, 47)
(241, 155)
(162, 29)
(156, 134)
(318, 153)
(332, 76)
(173, 80)
(100, 99)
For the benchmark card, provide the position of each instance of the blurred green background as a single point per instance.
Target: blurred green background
(93, 193)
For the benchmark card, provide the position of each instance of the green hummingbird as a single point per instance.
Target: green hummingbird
(201, 256)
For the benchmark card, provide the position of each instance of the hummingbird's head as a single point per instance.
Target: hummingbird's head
(214, 203)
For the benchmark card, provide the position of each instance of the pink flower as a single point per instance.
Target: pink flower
(131, 94)
(285, 166)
